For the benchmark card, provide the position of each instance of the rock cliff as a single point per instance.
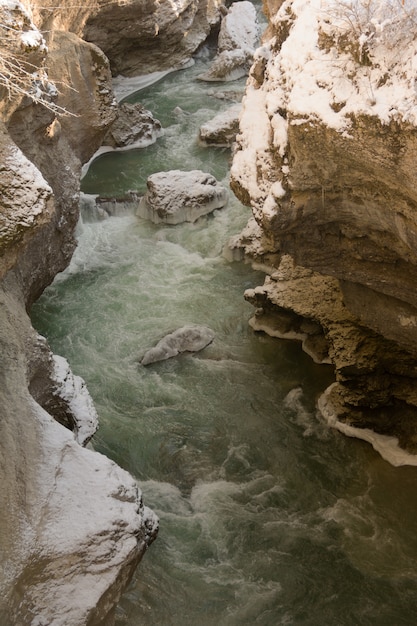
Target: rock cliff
(73, 525)
(326, 158)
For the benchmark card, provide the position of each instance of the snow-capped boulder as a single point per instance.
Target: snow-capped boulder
(189, 338)
(175, 196)
(222, 129)
(237, 41)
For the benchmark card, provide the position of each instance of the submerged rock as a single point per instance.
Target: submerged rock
(175, 196)
(237, 41)
(189, 338)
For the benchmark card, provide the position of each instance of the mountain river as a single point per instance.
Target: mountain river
(267, 516)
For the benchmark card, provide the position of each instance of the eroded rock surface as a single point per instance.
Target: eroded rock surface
(176, 196)
(73, 524)
(140, 37)
(134, 125)
(222, 129)
(326, 158)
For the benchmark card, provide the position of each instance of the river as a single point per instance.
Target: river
(267, 516)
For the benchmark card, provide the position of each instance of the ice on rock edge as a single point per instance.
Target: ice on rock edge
(181, 196)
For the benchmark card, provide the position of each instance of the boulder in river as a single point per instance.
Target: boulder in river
(222, 129)
(134, 125)
(176, 196)
(189, 338)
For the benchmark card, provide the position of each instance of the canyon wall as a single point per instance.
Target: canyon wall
(326, 158)
(73, 525)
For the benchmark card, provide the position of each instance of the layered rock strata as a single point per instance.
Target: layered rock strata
(326, 158)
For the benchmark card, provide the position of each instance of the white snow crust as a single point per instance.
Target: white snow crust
(329, 70)
(73, 390)
(309, 78)
(92, 513)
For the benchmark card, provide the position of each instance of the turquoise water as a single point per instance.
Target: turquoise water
(267, 516)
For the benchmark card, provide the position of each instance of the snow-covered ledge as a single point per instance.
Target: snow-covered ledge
(89, 530)
(73, 526)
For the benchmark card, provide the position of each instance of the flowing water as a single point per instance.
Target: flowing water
(267, 516)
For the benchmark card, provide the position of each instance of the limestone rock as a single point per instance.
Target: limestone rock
(176, 196)
(236, 44)
(73, 524)
(329, 171)
(134, 125)
(140, 37)
(54, 147)
(189, 338)
(221, 131)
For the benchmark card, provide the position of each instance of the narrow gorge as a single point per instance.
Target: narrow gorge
(208, 216)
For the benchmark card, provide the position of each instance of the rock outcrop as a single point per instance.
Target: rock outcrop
(222, 129)
(326, 158)
(176, 196)
(134, 126)
(73, 525)
(236, 45)
(139, 36)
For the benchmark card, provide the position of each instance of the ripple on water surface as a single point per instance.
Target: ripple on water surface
(267, 517)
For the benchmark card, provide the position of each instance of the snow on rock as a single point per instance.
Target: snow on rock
(25, 197)
(175, 196)
(329, 62)
(318, 75)
(91, 532)
(135, 126)
(72, 389)
(326, 159)
(189, 338)
(24, 51)
(222, 129)
(238, 37)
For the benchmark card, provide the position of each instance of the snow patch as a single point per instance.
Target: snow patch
(315, 79)
(72, 389)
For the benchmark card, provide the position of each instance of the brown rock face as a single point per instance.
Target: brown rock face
(134, 125)
(142, 36)
(48, 560)
(339, 197)
(52, 143)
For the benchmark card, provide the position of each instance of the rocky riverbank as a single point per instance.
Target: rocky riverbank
(325, 158)
(73, 523)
